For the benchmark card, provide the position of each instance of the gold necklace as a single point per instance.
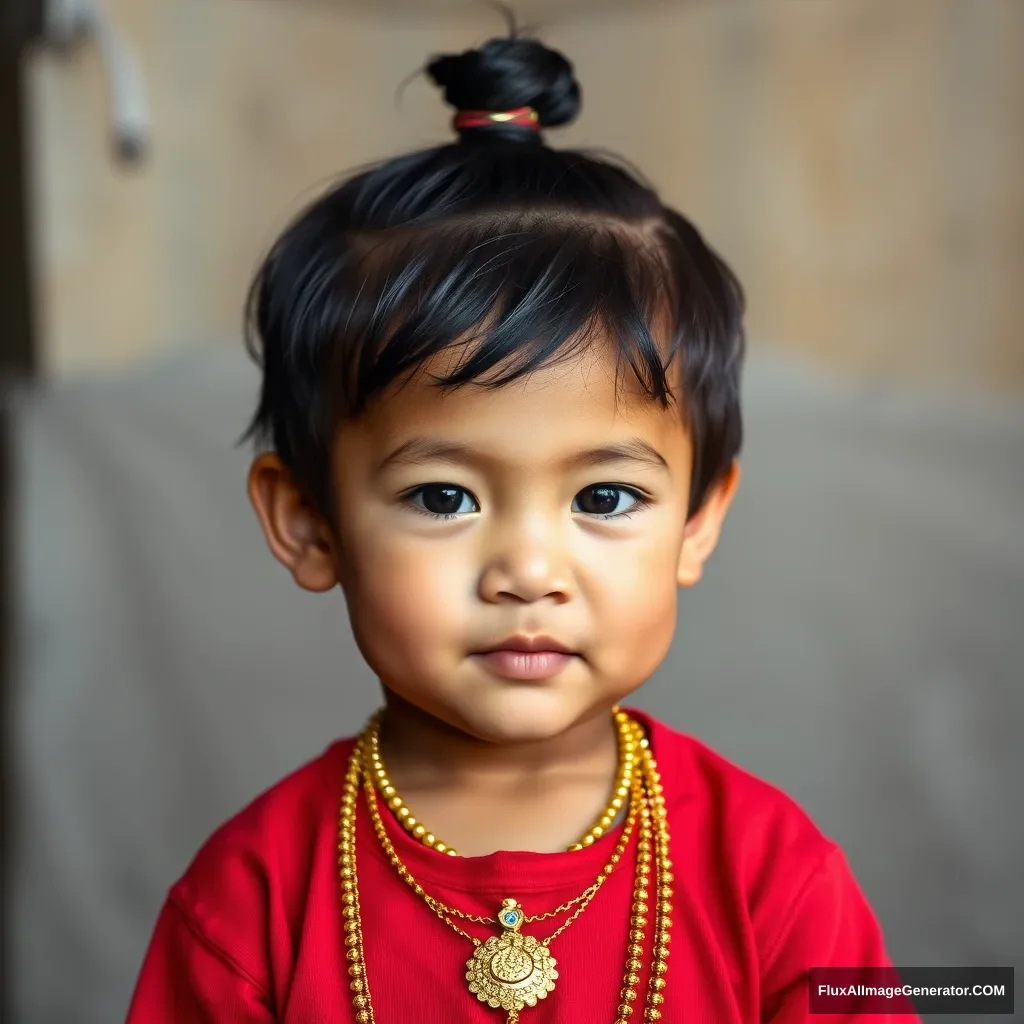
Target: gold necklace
(605, 820)
(632, 735)
(523, 968)
(510, 970)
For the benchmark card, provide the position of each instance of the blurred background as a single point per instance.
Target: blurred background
(860, 163)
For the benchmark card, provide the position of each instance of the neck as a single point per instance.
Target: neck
(427, 751)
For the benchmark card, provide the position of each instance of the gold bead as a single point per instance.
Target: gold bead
(403, 812)
(346, 860)
(357, 985)
(351, 927)
(633, 965)
(635, 949)
(419, 830)
(638, 921)
(665, 907)
(588, 840)
(641, 908)
(359, 1002)
(356, 970)
(395, 802)
(352, 939)
(389, 791)
(662, 952)
(348, 898)
(656, 998)
(429, 838)
(440, 847)
(348, 885)
(636, 935)
(666, 892)
(354, 955)
(658, 983)
(660, 968)
(627, 995)
(632, 979)
(649, 1014)
(362, 1016)
(348, 912)
(624, 1010)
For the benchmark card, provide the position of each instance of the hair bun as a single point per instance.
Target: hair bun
(505, 74)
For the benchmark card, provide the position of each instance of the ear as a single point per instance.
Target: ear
(297, 534)
(705, 526)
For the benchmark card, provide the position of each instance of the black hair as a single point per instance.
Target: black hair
(517, 253)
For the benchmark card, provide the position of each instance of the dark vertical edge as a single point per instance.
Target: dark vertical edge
(20, 25)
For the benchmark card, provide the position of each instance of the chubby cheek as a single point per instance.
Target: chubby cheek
(398, 588)
(634, 603)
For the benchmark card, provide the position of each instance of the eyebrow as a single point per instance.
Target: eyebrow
(426, 449)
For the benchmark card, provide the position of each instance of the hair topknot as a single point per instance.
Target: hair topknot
(504, 74)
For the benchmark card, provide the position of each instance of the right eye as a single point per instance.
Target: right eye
(442, 501)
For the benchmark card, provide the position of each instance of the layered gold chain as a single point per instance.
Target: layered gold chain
(512, 971)
(385, 787)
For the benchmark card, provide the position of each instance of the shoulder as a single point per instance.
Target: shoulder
(747, 827)
(750, 853)
(252, 867)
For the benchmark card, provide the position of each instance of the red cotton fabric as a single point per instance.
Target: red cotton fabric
(253, 934)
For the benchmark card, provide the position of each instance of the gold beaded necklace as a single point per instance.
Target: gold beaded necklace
(386, 788)
(512, 971)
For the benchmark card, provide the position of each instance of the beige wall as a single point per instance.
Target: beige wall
(859, 161)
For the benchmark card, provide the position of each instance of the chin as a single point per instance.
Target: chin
(522, 715)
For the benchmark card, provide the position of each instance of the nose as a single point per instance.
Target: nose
(527, 562)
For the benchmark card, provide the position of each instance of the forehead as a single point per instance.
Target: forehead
(567, 406)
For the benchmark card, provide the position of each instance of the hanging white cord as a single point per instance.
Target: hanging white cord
(70, 22)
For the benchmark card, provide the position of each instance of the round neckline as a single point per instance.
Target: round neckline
(491, 875)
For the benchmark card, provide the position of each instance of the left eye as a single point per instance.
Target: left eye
(606, 500)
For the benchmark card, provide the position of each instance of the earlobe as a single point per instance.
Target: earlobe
(296, 533)
(705, 527)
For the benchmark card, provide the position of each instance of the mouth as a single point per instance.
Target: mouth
(529, 645)
(526, 658)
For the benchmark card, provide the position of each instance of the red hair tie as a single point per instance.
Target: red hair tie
(522, 117)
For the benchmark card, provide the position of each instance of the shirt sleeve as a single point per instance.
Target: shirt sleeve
(830, 924)
(187, 979)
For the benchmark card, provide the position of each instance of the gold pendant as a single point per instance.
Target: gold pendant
(510, 970)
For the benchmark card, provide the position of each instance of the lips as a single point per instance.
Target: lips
(529, 645)
(526, 658)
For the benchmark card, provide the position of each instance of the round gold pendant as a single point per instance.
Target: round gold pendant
(510, 970)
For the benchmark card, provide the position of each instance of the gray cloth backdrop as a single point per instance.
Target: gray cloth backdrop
(858, 640)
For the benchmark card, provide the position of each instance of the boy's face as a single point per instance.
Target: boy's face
(552, 507)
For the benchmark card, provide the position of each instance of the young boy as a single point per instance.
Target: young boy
(501, 399)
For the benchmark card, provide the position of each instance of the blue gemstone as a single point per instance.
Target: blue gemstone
(511, 917)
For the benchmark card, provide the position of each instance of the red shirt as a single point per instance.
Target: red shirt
(253, 931)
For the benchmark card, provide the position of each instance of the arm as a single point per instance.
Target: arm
(830, 924)
(187, 979)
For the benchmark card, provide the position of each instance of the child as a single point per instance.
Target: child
(501, 391)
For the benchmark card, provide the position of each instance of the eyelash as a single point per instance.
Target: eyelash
(641, 502)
